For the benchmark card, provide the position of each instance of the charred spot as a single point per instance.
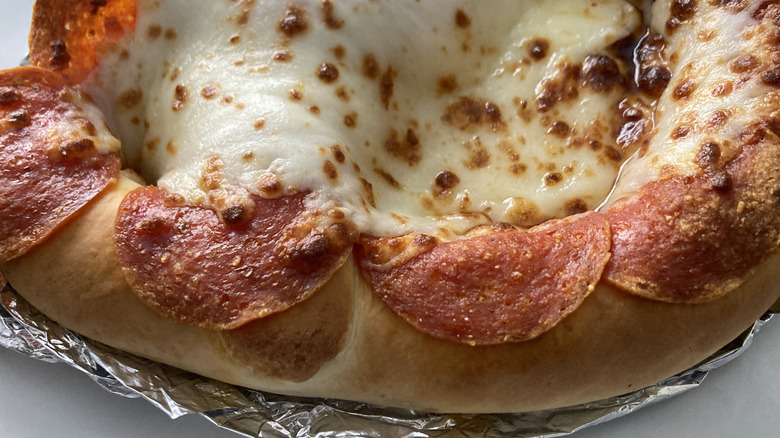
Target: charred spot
(339, 51)
(60, 58)
(369, 191)
(680, 12)
(282, 56)
(654, 80)
(209, 92)
(552, 178)
(18, 119)
(243, 18)
(329, 17)
(538, 48)
(561, 88)
(730, 5)
(370, 67)
(631, 132)
(235, 214)
(470, 113)
(630, 113)
(350, 120)
(175, 74)
(338, 155)
(389, 179)
(559, 129)
(293, 23)
(295, 95)
(154, 31)
(771, 77)
(77, 148)
(601, 73)
(96, 5)
(171, 147)
(752, 135)
(327, 73)
(718, 119)
(151, 225)
(446, 180)
(681, 131)
(708, 155)
(763, 9)
(613, 154)
(447, 84)
(386, 86)
(684, 89)
(9, 95)
(524, 112)
(744, 64)
(342, 94)
(170, 34)
(575, 206)
(88, 127)
(723, 89)
(153, 143)
(270, 185)
(462, 20)
(518, 168)
(312, 249)
(507, 148)
(424, 240)
(720, 180)
(329, 169)
(128, 99)
(652, 75)
(479, 157)
(258, 125)
(180, 96)
(406, 148)
(772, 122)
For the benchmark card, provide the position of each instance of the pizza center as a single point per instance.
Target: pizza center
(419, 116)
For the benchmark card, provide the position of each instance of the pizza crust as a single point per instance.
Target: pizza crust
(613, 344)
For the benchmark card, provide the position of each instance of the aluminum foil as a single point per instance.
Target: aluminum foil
(259, 414)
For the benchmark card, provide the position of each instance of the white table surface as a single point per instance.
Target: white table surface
(37, 399)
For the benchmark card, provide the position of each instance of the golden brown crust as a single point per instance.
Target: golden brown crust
(614, 343)
(294, 345)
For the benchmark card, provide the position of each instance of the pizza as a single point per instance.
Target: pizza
(452, 207)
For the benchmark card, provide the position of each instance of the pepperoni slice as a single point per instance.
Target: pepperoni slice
(196, 266)
(688, 240)
(53, 159)
(69, 36)
(497, 285)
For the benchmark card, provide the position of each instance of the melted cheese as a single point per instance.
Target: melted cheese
(405, 115)
(710, 98)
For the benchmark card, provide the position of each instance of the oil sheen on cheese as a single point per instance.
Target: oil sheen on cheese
(406, 115)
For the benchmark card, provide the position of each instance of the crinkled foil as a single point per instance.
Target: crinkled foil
(258, 414)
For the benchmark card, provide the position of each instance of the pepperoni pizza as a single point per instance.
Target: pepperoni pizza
(463, 207)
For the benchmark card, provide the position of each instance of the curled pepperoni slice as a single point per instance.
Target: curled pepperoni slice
(497, 285)
(691, 240)
(69, 36)
(54, 157)
(220, 270)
